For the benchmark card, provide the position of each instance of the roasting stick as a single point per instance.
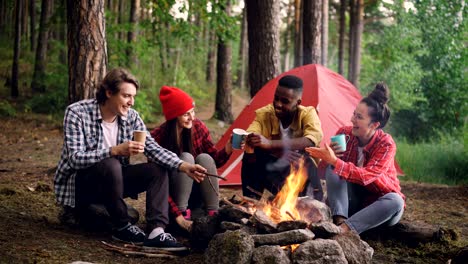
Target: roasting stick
(216, 176)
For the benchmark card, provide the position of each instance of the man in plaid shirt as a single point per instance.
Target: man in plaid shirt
(94, 165)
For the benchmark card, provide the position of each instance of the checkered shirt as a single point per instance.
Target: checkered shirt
(83, 145)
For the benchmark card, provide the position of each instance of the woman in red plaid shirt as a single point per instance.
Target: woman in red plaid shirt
(190, 139)
(362, 185)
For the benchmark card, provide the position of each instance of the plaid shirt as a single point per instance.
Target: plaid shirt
(202, 142)
(83, 145)
(378, 173)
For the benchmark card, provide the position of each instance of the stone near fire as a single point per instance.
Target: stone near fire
(313, 211)
(319, 251)
(233, 213)
(291, 225)
(230, 247)
(263, 222)
(225, 225)
(284, 238)
(324, 229)
(203, 229)
(356, 250)
(270, 254)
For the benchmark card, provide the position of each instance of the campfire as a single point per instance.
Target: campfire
(281, 229)
(283, 207)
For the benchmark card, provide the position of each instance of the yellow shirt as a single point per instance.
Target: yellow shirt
(305, 124)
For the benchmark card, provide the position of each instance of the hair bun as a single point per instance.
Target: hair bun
(380, 93)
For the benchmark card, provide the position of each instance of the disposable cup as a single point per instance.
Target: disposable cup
(139, 135)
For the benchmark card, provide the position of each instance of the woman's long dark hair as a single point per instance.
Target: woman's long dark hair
(377, 103)
(169, 138)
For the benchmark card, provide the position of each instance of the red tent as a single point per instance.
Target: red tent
(332, 95)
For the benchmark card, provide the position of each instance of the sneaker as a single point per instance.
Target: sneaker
(164, 241)
(187, 214)
(129, 234)
(212, 212)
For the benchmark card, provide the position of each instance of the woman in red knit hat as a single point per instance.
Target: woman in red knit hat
(190, 139)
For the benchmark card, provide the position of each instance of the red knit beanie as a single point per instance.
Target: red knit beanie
(174, 102)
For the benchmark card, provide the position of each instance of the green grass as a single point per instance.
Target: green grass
(444, 161)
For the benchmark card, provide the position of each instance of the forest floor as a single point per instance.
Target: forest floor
(30, 231)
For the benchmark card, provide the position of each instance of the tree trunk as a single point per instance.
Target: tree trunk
(287, 36)
(121, 19)
(352, 35)
(342, 32)
(357, 43)
(24, 18)
(223, 105)
(32, 24)
(87, 47)
(211, 61)
(324, 32)
(3, 18)
(312, 31)
(16, 52)
(243, 46)
(263, 20)
(133, 32)
(37, 83)
(298, 8)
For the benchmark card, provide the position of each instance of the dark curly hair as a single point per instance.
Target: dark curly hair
(377, 103)
(112, 82)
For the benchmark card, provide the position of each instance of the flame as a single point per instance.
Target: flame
(283, 207)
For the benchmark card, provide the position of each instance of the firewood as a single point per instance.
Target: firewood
(132, 250)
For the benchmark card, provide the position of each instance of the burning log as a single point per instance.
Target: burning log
(284, 238)
(263, 222)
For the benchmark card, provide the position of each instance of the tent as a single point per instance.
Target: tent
(332, 95)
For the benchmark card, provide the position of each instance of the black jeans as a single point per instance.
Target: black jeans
(108, 182)
(261, 170)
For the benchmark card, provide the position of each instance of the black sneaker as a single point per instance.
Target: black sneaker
(164, 241)
(130, 234)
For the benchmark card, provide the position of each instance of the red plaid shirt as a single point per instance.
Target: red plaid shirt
(202, 143)
(378, 173)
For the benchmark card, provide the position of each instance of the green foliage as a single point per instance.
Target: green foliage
(6, 109)
(442, 160)
(421, 55)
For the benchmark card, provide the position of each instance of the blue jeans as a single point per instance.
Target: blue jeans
(345, 199)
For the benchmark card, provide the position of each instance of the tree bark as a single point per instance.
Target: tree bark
(312, 31)
(16, 51)
(324, 32)
(263, 29)
(223, 105)
(211, 61)
(121, 19)
(32, 24)
(241, 68)
(341, 38)
(37, 83)
(298, 8)
(287, 37)
(359, 27)
(87, 48)
(24, 18)
(352, 35)
(133, 32)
